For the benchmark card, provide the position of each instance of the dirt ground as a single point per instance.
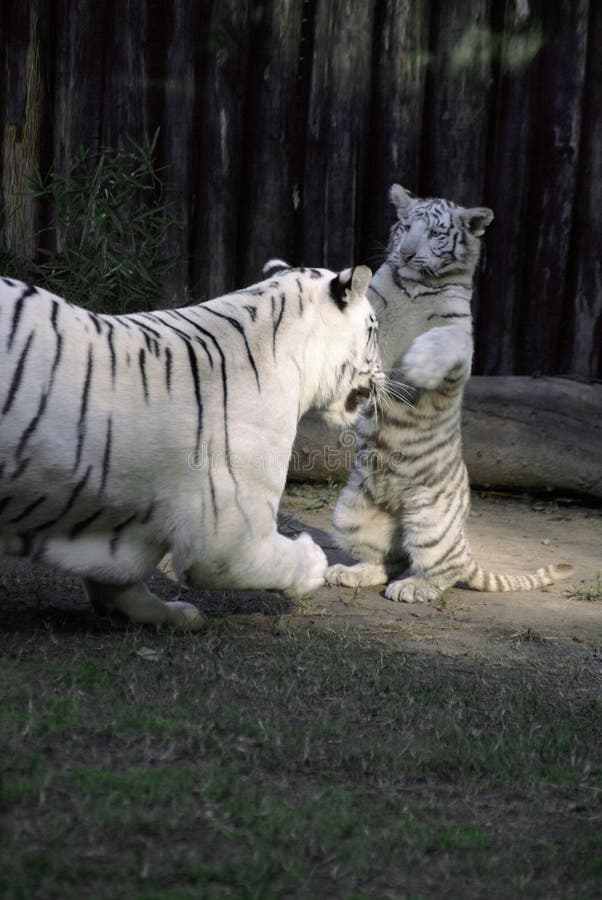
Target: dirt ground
(508, 534)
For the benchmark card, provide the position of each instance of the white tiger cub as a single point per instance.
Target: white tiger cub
(125, 437)
(407, 497)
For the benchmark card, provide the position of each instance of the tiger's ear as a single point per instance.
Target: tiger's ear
(401, 199)
(477, 219)
(274, 266)
(349, 285)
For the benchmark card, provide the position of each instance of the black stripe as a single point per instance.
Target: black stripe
(95, 322)
(176, 312)
(17, 314)
(252, 310)
(197, 393)
(217, 345)
(110, 331)
(451, 315)
(278, 321)
(81, 425)
(252, 291)
(147, 341)
(84, 523)
(29, 509)
(213, 499)
(300, 286)
(238, 327)
(54, 315)
(168, 369)
(148, 514)
(20, 468)
(45, 395)
(117, 532)
(4, 502)
(106, 456)
(78, 488)
(18, 375)
(145, 327)
(142, 364)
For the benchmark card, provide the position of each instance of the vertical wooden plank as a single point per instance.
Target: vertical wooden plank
(496, 332)
(582, 349)
(555, 142)
(221, 149)
(337, 131)
(23, 116)
(79, 73)
(184, 33)
(268, 197)
(457, 101)
(401, 47)
(125, 103)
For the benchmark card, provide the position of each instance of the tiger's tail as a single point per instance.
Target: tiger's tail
(479, 580)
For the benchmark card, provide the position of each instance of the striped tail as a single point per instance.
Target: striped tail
(479, 580)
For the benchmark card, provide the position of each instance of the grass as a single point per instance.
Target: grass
(589, 593)
(106, 244)
(269, 765)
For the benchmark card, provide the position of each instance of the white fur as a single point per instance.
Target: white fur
(213, 506)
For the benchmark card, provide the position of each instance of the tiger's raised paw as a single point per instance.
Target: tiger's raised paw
(431, 356)
(311, 564)
(360, 575)
(412, 590)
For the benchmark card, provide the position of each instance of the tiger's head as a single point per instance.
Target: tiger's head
(343, 368)
(434, 240)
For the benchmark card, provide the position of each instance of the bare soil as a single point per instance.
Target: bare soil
(508, 534)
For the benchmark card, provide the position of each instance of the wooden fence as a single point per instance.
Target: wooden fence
(283, 122)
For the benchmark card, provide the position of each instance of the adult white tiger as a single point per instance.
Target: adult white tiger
(125, 437)
(407, 497)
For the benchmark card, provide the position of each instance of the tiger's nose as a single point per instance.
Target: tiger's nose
(407, 255)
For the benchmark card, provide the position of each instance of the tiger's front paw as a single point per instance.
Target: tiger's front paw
(412, 590)
(432, 355)
(360, 575)
(311, 568)
(184, 616)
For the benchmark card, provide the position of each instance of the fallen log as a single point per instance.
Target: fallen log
(519, 433)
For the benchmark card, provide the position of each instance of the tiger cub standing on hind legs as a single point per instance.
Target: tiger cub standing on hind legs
(126, 437)
(408, 495)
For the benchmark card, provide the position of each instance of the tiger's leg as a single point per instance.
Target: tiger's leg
(142, 607)
(295, 568)
(368, 532)
(437, 547)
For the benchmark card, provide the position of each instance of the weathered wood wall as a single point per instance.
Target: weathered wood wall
(284, 121)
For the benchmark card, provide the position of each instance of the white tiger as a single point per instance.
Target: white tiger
(126, 437)
(407, 497)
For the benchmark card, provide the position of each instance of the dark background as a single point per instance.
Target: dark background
(283, 123)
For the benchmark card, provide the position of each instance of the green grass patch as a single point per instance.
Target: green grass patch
(263, 765)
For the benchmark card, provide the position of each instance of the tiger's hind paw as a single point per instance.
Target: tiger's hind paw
(412, 590)
(360, 575)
